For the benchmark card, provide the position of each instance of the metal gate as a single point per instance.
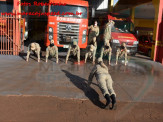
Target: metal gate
(11, 41)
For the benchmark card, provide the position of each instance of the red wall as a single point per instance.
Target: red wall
(158, 55)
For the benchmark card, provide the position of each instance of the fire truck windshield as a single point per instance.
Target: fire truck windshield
(123, 27)
(5, 7)
(70, 11)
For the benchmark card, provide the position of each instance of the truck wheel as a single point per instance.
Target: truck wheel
(149, 53)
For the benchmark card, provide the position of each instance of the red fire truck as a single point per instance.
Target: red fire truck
(123, 31)
(145, 44)
(70, 24)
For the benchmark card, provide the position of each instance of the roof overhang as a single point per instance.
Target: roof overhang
(125, 4)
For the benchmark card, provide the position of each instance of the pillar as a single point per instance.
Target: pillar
(132, 14)
(158, 30)
(110, 5)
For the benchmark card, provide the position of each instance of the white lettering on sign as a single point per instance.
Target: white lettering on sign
(51, 23)
(65, 46)
(84, 26)
(68, 19)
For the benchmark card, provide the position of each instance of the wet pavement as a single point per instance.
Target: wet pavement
(139, 81)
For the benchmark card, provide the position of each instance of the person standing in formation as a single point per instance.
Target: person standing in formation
(107, 31)
(94, 32)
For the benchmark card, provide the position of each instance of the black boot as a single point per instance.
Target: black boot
(107, 97)
(113, 98)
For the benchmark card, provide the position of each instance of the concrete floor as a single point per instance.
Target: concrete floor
(31, 91)
(139, 81)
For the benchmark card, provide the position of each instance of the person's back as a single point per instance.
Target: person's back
(104, 81)
(101, 70)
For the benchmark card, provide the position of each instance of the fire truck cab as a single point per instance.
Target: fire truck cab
(65, 26)
(123, 32)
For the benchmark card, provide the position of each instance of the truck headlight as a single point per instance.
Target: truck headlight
(115, 41)
(50, 30)
(50, 33)
(50, 37)
(26, 34)
(136, 42)
(84, 36)
(84, 32)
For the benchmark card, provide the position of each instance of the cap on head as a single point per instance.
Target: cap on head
(123, 44)
(33, 46)
(99, 60)
(74, 43)
(52, 42)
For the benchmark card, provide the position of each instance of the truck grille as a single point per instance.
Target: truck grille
(67, 31)
(129, 43)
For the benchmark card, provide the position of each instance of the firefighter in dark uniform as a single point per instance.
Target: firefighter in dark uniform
(91, 53)
(122, 51)
(75, 50)
(35, 47)
(52, 50)
(104, 81)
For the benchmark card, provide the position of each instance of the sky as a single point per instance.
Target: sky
(104, 4)
(115, 1)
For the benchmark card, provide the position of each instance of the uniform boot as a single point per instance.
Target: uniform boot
(107, 97)
(113, 98)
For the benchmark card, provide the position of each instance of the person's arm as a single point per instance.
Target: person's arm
(105, 29)
(102, 52)
(94, 56)
(47, 54)
(68, 53)
(56, 54)
(91, 75)
(109, 54)
(86, 56)
(28, 52)
(78, 54)
(125, 49)
(89, 27)
(38, 53)
(97, 32)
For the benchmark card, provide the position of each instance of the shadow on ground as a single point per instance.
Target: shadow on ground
(88, 91)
